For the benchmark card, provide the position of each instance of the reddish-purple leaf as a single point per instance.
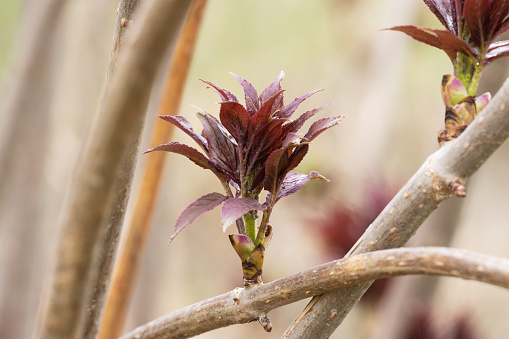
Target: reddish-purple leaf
(235, 119)
(251, 96)
(224, 94)
(222, 152)
(189, 152)
(445, 12)
(321, 125)
(496, 51)
(295, 181)
(235, 208)
(420, 34)
(203, 204)
(261, 117)
(271, 90)
(453, 43)
(297, 155)
(475, 12)
(186, 126)
(274, 167)
(295, 125)
(287, 111)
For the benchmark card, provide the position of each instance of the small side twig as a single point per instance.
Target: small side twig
(245, 305)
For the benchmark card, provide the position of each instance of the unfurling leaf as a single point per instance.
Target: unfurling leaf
(235, 208)
(203, 204)
(322, 125)
(295, 181)
(187, 151)
(251, 96)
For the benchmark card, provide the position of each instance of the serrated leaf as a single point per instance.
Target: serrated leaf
(271, 90)
(287, 111)
(223, 94)
(222, 152)
(235, 118)
(452, 43)
(496, 51)
(260, 118)
(251, 96)
(203, 204)
(186, 126)
(445, 12)
(295, 181)
(235, 208)
(321, 125)
(187, 151)
(295, 125)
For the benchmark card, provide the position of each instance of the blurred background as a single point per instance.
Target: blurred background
(387, 86)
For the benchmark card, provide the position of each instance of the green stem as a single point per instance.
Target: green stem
(250, 226)
(476, 77)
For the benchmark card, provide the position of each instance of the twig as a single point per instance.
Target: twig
(245, 305)
(138, 227)
(94, 180)
(434, 182)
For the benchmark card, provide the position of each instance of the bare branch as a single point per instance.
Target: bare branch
(442, 174)
(94, 180)
(245, 305)
(105, 255)
(138, 226)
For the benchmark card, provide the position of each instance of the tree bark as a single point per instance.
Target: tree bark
(245, 305)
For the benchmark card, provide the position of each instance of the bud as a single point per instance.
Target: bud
(482, 101)
(243, 245)
(453, 90)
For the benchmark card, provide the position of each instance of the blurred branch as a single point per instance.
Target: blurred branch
(138, 228)
(94, 180)
(103, 261)
(245, 305)
(24, 137)
(443, 174)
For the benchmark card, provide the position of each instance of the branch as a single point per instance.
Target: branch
(245, 305)
(95, 177)
(103, 259)
(443, 174)
(138, 226)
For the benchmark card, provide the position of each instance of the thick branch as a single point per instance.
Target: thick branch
(105, 255)
(94, 181)
(442, 174)
(245, 305)
(138, 227)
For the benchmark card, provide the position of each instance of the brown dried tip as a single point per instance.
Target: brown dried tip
(265, 322)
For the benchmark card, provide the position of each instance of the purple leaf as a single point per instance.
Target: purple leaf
(189, 152)
(224, 94)
(496, 51)
(235, 119)
(186, 126)
(445, 12)
(295, 125)
(261, 117)
(222, 152)
(274, 168)
(321, 125)
(287, 111)
(235, 208)
(453, 43)
(295, 181)
(298, 154)
(203, 204)
(475, 12)
(271, 90)
(251, 96)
